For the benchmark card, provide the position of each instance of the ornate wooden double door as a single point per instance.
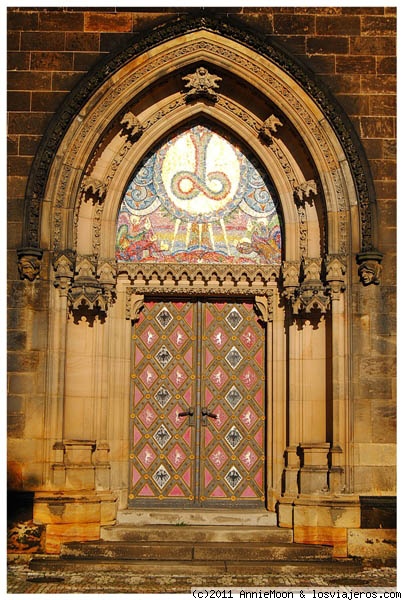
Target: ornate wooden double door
(197, 405)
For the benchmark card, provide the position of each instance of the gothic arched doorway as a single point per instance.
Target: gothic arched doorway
(268, 220)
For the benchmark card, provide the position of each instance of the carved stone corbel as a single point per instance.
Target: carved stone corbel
(264, 306)
(131, 127)
(201, 84)
(92, 287)
(89, 287)
(106, 273)
(370, 267)
(29, 262)
(269, 128)
(134, 304)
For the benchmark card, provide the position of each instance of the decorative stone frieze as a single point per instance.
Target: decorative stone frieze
(29, 262)
(193, 279)
(201, 84)
(370, 267)
(269, 128)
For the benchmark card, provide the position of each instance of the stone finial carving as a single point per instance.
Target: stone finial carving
(29, 262)
(131, 126)
(370, 267)
(201, 84)
(304, 190)
(94, 188)
(335, 276)
(269, 127)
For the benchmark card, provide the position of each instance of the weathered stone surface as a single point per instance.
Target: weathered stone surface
(58, 533)
(336, 515)
(372, 543)
(335, 537)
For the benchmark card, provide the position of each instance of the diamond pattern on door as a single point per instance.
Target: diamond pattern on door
(164, 387)
(197, 409)
(238, 428)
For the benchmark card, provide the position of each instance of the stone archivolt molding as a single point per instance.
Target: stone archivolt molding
(286, 167)
(271, 76)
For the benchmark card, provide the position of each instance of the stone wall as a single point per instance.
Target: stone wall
(351, 50)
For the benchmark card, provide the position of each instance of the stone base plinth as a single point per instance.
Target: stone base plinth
(323, 521)
(324, 536)
(73, 517)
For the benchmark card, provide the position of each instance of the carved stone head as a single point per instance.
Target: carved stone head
(369, 272)
(29, 263)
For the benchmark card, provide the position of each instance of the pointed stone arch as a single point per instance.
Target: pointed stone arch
(302, 139)
(262, 66)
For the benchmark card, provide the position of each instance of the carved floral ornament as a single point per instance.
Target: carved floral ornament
(201, 84)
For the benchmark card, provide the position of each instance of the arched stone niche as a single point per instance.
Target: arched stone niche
(226, 79)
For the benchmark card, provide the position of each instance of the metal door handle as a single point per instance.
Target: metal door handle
(205, 412)
(187, 413)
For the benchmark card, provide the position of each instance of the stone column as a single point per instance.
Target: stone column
(335, 277)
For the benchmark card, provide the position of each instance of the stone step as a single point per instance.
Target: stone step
(202, 516)
(195, 533)
(193, 551)
(56, 567)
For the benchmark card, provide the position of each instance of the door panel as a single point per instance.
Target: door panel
(163, 438)
(197, 408)
(232, 439)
